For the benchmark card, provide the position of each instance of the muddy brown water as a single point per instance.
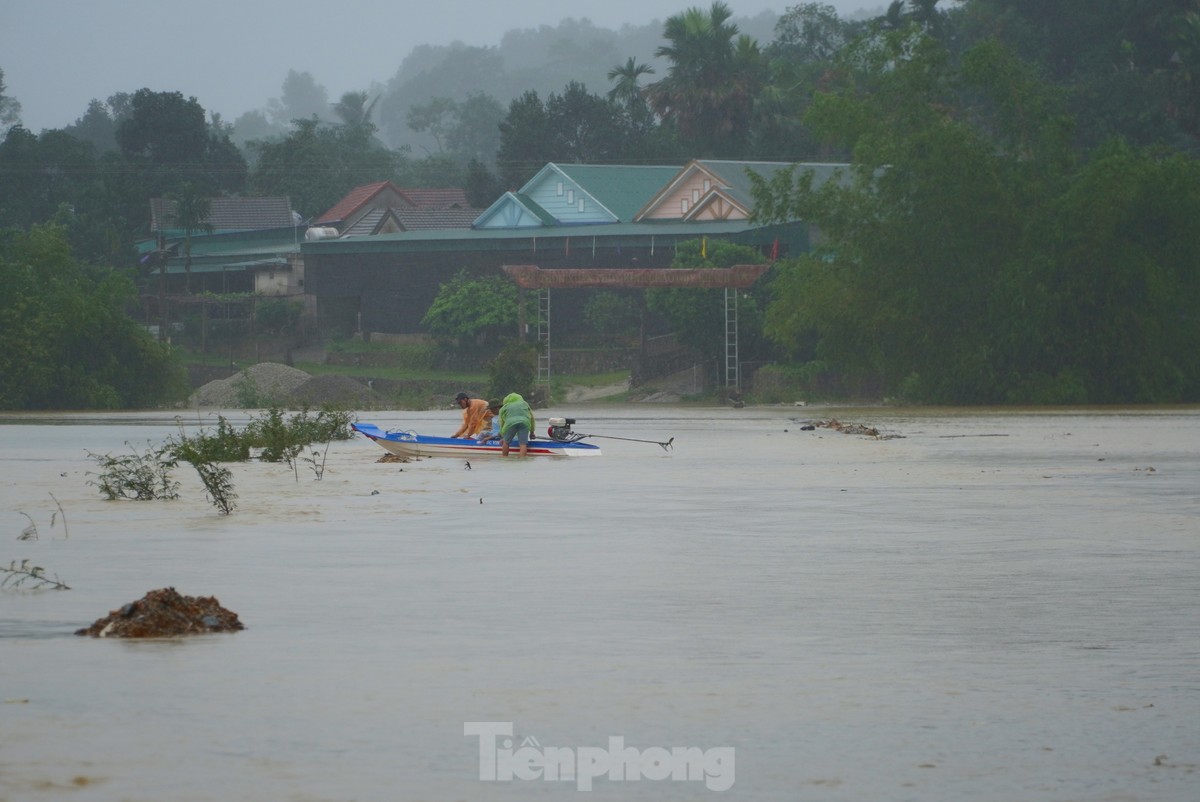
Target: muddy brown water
(994, 605)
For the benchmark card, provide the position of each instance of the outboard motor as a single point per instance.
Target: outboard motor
(560, 430)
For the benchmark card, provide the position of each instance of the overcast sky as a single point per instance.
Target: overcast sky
(233, 55)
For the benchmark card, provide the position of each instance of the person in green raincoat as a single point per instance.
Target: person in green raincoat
(516, 423)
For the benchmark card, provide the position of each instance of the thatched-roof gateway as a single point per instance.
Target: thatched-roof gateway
(532, 277)
(731, 279)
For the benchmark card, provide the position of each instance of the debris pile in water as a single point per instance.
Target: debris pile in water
(849, 428)
(163, 614)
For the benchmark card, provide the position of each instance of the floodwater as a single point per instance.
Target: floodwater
(993, 605)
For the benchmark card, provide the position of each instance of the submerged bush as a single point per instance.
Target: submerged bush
(141, 477)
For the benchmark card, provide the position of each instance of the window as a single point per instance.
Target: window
(570, 196)
(560, 187)
(707, 184)
(581, 204)
(683, 205)
(695, 195)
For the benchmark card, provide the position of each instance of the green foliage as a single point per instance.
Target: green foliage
(316, 461)
(10, 107)
(139, 477)
(514, 370)
(203, 450)
(191, 211)
(575, 126)
(977, 264)
(281, 439)
(66, 341)
(316, 165)
(275, 437)
(805, 381)
(993, 248)
(470, 309)
(226, 444)
(218, 485)
(711, 83)
(277, 315)
(301, 98)
(613, 317)
(166, 139)
(406, 357)
(698, 316)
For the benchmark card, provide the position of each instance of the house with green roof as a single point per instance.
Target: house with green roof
(577, 194)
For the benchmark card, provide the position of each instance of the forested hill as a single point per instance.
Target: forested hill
(541, 60)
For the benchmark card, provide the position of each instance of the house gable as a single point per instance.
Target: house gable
(513, 210)
(718, 204)
(361, 200)
(375, 221)
(711, 188)
(565, 199)
(678, 197)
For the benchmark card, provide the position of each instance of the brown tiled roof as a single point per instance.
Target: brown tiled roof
(437, 198)
(229, 214)
(431, 219)
(412, 220)
(430, 199)
(353, 200)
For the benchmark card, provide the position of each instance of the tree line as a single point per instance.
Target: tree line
(1016, 227)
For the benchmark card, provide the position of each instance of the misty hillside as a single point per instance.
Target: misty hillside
(542, 60)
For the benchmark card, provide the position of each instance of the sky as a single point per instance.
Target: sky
(233, 55)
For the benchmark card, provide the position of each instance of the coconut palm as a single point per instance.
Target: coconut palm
(709, 89)
(190, 214)
(354, 111)
(625, 81)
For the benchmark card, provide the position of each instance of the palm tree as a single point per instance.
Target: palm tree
(925, 14)
(710, 87)
(354, 110)
(191, 215)
(1186, 60)
(10, 107)
(893, 19)
(625, 77)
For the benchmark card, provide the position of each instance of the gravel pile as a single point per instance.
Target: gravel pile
(343, 391)
(268, 382)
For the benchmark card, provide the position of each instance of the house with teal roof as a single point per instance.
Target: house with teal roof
(577, 194)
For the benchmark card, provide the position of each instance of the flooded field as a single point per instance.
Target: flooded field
(979, 605)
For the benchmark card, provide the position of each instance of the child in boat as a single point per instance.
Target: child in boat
(491, 422)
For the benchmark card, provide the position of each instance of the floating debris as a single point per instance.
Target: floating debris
(164, 614)
(849, 428)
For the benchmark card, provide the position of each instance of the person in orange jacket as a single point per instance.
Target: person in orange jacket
(473, 411)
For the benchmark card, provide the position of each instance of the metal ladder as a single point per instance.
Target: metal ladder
(731, 338)
(543, 329)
